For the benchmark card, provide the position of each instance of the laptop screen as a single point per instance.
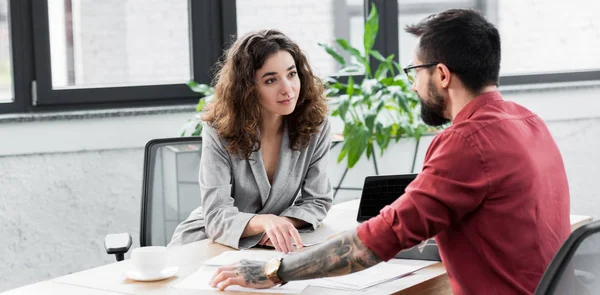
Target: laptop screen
(379, 191)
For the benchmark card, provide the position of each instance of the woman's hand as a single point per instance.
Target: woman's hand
(280, 232)
(264, 241)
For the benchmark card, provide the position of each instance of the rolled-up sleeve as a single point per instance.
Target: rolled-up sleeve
(224, 222)
(452, 184)
(317, 193)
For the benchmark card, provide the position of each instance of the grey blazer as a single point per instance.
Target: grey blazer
(233, 190)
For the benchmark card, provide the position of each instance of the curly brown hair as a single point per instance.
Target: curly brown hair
(235, 110)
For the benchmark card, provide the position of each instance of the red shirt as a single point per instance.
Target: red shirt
(493, 192)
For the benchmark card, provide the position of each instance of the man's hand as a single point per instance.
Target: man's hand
(280, 232)
(341, 255)
(246, 273)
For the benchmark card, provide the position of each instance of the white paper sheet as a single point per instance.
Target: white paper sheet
(200, 279)
(328, 229)
(320, 235)
(378, 274)
(230, 257)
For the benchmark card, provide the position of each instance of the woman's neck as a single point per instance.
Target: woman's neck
(271, 125)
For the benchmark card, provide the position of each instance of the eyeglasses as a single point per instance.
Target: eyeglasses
(411, 71)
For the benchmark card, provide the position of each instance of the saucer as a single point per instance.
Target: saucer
(164, 274)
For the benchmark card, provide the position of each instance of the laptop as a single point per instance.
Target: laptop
(381, 190)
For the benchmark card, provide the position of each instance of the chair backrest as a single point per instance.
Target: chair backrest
(170, 189)
(575, 269)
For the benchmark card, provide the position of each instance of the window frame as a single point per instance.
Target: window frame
(212, 22)
(212, 25)
(388, 41)
(21, 46)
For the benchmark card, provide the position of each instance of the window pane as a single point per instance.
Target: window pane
(119, 42)
(548, 36)
(306, 22)
(6, 87)
(408, 41)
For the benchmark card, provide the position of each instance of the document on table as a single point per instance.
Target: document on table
(327, 229)
(230, 257)
(320, 235)
(200, 279)
(378, 274)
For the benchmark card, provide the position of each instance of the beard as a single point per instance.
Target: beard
(432, 111)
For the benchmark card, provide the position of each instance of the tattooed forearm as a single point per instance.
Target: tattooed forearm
(342, 255)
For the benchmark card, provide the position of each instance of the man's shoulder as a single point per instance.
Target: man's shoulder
(491, 116)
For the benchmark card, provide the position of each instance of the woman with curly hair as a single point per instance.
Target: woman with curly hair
(265, 149)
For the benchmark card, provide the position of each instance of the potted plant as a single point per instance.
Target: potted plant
(378, 109)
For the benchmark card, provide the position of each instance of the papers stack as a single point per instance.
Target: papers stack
(370, 277)
(231, 257)
(359, 281)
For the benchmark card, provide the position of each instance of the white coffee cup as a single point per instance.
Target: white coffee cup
(149, 261)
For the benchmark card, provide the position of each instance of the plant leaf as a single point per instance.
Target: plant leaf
(350, 88)
(197, 130)
(378, 55)
(343, 153)
(357, 145)
(401, 97)
(353, 68)
(399, 67)
(343, 109)
(363, 59)
(353, 51)
(370, 122)
(389, 64)
(333, 53)
(200, 105)
(371, 28)
(379, 136)
(331, 92)
(389, 81)
(200, 88)
(382, 71)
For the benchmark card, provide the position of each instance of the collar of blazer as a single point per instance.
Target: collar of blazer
(287, 163)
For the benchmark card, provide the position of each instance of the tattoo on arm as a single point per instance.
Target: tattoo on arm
(340, 256)
(252, 272)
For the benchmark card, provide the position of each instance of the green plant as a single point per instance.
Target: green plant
(380, 107)
(193, 127)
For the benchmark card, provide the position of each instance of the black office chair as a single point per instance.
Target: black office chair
(575, 269)
(170, 192)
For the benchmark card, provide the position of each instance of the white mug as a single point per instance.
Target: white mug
(149, 260)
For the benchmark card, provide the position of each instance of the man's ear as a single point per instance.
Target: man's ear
(444, 74)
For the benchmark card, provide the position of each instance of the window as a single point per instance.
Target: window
(93, 52)
(542, 41)
(74, 54)
(6, 84)
(306, 22)
(86, 54)
(116, 42)
(548, 36)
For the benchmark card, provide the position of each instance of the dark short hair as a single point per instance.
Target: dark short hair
(465, 42)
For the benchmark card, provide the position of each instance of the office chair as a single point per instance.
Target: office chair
(575, 269)
(170, 192)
